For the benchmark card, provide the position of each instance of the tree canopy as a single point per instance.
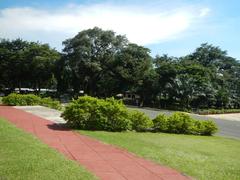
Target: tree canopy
(103, 64)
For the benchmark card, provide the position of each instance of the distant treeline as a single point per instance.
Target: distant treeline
(104, 64)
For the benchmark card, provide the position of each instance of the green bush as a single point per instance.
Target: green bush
(218, 111)
(208, 128)
(140, 122)
(160, 123)
(97, 114)
(21, 100)
(29, 100)
(182, 123)
(49, 102)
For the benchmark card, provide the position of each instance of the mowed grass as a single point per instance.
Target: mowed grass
(201, 157)
(23, 156)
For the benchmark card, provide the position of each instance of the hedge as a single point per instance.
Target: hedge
(91, 113)
(218, 111)
(182, 123)
(30, 100)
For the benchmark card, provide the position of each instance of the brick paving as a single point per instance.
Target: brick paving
(105, 161)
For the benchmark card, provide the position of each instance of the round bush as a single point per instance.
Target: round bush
(208, 128)
(181, 123)
(140, 122)
(160, 123)
(97, 114)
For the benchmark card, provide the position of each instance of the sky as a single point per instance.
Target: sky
(175, 27)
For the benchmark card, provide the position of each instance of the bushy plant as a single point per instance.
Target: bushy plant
(140, 122)
(160, 123)
(208, 128)
(97, 114)
(182, 123)
(218, 111)
(21, 100)
(29, 100)
(49, 102)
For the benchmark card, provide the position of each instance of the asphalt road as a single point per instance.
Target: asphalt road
(227, 128)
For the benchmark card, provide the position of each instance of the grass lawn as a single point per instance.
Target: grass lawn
(23, 156)
(201, 157)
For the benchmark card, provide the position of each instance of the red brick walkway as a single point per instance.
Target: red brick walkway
(105, 161)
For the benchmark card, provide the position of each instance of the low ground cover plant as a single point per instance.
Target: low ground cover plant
(15, 99)
(182, 123)
(89, 113)
(218, 111)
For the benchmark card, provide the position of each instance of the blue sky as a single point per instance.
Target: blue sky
(173, 27)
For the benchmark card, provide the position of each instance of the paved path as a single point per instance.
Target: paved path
(105, 161)
(227, 126)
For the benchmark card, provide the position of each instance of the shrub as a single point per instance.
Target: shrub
(218, 111)
(29, 100)
(97, 114)
(21, 100)
(182, 123)
(49, 102)
(140, 122)
(208, 128)
(160, 123)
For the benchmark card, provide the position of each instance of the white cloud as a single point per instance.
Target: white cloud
(140, 26)
(204, 12)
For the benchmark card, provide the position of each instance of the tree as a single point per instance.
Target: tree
(26, 64)
(134, 67)
(166, 69)
(41, 59)
(13, 66)
(90, 54)
(208, 55)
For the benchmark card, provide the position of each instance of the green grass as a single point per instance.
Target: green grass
(202, 157)
(23, 156)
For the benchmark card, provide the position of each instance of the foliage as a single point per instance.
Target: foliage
(97, 114)
(30, 100)
(26, 64)
(104, 64)
(182, 123)
(90, 56)
(140, 121)
(21, 100)
(49, 102)
(218, 111)
(206, 128)
(160, 123)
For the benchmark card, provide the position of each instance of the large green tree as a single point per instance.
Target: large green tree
(133, 66)
(26, 64)
(90, 55)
